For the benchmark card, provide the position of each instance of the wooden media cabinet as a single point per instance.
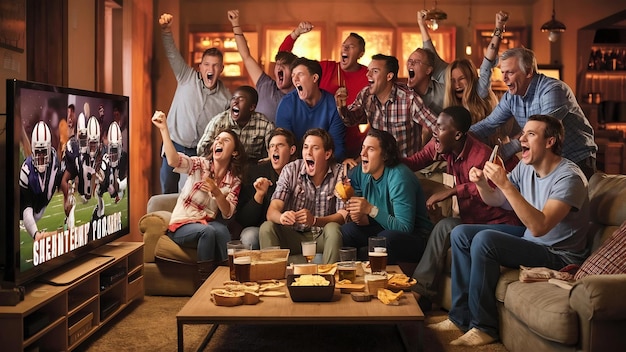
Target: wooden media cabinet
(71, 303)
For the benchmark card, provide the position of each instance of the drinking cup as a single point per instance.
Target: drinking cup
(347, 254)
(231, 246)
(377, 252)
(308, 250)
(374, 282)
(242, 268)
(347, 271)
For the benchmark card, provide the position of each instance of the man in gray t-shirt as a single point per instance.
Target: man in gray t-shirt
(199, 96)
(549, 195)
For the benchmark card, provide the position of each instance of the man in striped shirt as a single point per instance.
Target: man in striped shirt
(389, 106)
(304, 206)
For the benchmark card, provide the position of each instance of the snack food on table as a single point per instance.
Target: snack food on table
(326, 268)
(389, 297)
(223, 297)
(400, 281)
(310, 280)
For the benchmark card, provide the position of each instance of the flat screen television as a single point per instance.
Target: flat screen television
(64, 163)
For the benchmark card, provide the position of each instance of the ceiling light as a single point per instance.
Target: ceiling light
(434, 15)
(468, 47)
(553, 27)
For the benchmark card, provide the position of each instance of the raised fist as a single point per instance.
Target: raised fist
(165, 21)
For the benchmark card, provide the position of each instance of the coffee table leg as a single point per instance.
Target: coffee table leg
(208, 337)
(412, 335)
(179, 331)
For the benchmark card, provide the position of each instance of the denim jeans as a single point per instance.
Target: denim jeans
(209, 240)
(169, 178)
(478, 251)
(401, 246)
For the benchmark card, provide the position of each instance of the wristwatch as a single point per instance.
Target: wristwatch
(373, 212)
(498, 32)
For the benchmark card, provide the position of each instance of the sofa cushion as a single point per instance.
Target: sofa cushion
(545, 309)
(607, 196)
(169, 250)
(610, 258)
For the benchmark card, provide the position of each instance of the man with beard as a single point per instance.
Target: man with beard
(199, 96)
(461, 151)
(347, 75)
(389, 106)
(252, 128)
(310, 107)
(304, 206)
(260, 183)
(270, 91)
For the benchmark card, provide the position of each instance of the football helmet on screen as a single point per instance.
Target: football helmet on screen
(82, 132)
(93, 136)
(115, 144)
(41, 143)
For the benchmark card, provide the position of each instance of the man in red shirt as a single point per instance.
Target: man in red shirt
(347, 73)
(462, 151)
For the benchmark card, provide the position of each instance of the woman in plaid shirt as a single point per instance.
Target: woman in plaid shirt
(212, 189)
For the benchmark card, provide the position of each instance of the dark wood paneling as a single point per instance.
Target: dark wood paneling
(46, 41)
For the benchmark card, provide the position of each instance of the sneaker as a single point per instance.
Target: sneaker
(444, 326)
(474, 337)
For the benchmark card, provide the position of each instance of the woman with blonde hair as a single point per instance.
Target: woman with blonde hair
(465, 88)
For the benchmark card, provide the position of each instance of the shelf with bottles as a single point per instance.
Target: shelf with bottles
(607, 58)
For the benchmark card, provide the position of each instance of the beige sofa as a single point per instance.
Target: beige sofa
(543, 317)
(169, 270)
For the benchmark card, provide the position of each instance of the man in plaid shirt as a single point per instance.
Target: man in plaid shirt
(389, 106)
(304, 206)
(252, 128)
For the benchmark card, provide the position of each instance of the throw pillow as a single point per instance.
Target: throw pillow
(610, 258)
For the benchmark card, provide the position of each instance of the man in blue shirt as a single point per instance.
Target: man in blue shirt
(388, 201)
(531, 93)
(308, 106)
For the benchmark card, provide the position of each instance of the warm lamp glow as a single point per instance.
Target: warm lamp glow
(434, 15)
(468, 49)
(363, 127)
(434, 25)
(553, 27)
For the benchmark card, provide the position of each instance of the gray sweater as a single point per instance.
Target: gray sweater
(193, 104)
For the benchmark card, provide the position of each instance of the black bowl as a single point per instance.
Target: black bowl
(311, 293)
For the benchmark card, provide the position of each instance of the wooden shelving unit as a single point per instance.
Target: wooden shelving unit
(60, 314)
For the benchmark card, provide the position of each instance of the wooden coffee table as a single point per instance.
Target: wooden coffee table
(407, 316)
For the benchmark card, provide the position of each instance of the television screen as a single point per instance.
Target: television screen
(66, 189)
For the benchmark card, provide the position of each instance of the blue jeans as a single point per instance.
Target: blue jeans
(210, 240)
(169, 178)
(401, 246)
(478, 251)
